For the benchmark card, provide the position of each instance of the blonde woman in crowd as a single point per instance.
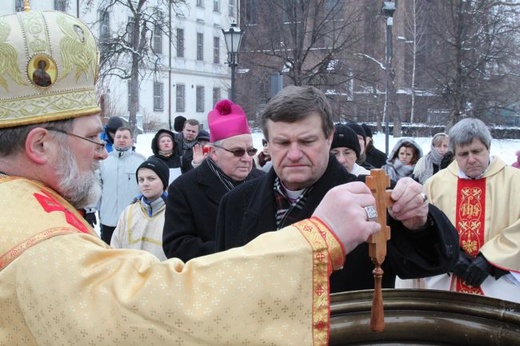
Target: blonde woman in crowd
(431, 163)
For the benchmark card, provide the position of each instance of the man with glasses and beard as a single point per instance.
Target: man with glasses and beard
(194, 197)
(61, 284)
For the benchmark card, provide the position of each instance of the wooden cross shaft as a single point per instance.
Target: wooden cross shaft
(378, 182)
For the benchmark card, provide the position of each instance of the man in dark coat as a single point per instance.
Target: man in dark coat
(187, 139)
(374, 156)
(298, 126)
(194, 197)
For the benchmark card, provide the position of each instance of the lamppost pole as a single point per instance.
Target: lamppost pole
(233, 37)
(233, 64)
(169, 66)
(388, 10)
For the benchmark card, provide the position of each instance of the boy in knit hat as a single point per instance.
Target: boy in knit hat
(194, 197)
(141, 223)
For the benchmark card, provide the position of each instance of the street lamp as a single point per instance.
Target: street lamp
(233, 37)
(388, 10)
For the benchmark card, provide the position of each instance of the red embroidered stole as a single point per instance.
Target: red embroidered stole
(471, 210)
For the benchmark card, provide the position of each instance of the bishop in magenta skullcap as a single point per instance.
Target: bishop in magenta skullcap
(227, 120)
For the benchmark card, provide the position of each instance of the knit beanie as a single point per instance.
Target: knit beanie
(368, 131)
(158, 167)
(358, 129)
(113, 124)
(345, 137)
(178, 123)
(203, 135)
(227, 120)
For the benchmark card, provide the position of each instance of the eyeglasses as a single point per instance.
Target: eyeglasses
(239, 152)
(101, 144)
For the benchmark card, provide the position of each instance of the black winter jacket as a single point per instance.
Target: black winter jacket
(191, 212)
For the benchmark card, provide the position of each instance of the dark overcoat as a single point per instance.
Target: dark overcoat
(375, 157)
(249, 210)
(191, 212)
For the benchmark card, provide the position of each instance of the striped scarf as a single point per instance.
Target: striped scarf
(226, 180)
(288, 210)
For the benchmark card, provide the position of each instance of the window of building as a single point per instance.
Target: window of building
(157, 39)
(60, 5)
(330, 5)
(200, 99)
(231, 8)
(216, 5)
(216, 50)
(130, 29)
(180, 43)
(158, 97)
(288, 10)
(180, 98)
(200, 46)
(18, 5)
(200, 3)
(251, 11)
(104, 26)
(216, 95)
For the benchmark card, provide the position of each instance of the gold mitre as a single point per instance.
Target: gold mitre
(48, 68)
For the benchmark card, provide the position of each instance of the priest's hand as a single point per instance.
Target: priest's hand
(343, 211)
(410, 204)
(478, 271)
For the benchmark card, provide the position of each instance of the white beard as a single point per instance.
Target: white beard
(81, 189)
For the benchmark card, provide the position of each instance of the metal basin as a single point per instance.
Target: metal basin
(425, 317)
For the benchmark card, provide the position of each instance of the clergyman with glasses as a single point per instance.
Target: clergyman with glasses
(194, 197)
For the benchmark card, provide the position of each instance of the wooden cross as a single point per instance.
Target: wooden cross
(378, 182)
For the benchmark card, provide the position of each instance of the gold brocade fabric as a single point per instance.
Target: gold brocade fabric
(48, 68)
(66, 287)
(471, 209)
(501, 208)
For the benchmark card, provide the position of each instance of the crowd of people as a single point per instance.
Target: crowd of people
(235, 193)
(208, 220)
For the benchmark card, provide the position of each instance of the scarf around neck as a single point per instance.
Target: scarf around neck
(432, 163)
(229, 183)
(165, 153)
(287, 210)
(402, 170)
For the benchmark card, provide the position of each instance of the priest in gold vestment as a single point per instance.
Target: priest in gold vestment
(60, 284)
(479, 194)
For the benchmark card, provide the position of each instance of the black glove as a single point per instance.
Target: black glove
(462, 264)
(478, 271)
(91, 218)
